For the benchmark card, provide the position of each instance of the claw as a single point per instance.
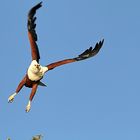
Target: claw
(28, 107)
(11, 98)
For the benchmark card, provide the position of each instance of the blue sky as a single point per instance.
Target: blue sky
(96, 99)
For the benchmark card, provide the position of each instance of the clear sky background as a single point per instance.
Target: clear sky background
(96, 99)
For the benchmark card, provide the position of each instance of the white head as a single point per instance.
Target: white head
(34, 67)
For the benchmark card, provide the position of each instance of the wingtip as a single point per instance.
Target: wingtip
(32, 11)
(40, 3)
(91, 51)
(102, 41)
(37, 6)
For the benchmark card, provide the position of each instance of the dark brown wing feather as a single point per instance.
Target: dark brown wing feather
(90, 52)
(32, 33)
(86, 54)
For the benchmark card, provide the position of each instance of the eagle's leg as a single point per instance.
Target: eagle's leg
(21, 84)
(34, 88)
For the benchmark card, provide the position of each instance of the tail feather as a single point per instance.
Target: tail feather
(42, 84)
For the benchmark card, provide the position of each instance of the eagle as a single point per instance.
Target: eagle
(36, 71)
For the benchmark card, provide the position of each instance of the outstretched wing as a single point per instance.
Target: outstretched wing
(86, 54)
(32, 33)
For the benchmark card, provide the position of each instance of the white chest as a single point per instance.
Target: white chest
(36, 75)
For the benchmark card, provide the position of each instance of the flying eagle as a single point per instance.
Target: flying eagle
(35, 72)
